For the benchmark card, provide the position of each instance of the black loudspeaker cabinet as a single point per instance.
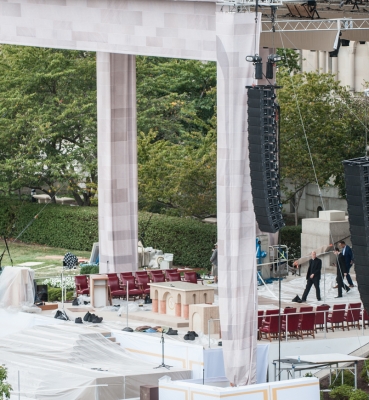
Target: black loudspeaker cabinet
(263, 155)
(357, 189)
(148, 392)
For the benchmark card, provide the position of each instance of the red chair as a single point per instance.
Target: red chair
(366, 317)
(111, 274)
(133, 290)
(158, 272)
(158, 278)
(81, 284)
(307, 322)
(170, 271)
(270, 325)
(319, 317)
(192, 277)
(114, 287)
(337, 317)
(174, 277)
(141, 273)
(142, 282)
(352, 316)
(260, 321)
(290, 323)
(122, 274)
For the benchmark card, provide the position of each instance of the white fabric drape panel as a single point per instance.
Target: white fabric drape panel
(117, 162)
(236, 34)
(214, 363)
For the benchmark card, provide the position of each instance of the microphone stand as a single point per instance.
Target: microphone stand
(162, 365)
(2, 255)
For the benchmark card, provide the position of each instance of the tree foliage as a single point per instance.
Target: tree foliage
(5, 388)
(175, 97)
(48, 120)
(318, 129)
(179, 179)
(176, 106)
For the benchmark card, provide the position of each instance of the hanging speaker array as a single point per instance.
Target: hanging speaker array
(357, 190)
(263, 154)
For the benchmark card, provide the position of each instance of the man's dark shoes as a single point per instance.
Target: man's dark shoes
(347, 290)
(97, 320)
(189, 336)
(78, 320)
(91, 317)
(85, 318)
(172, 332)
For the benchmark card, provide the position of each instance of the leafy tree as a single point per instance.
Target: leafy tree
(175, 178)
(317, 106)
(5, 388)
(176, 105)
(291, 60)
(48, 120)
(175, 97)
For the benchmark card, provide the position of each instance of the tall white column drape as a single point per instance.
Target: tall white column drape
(117, 161)
(237, 35)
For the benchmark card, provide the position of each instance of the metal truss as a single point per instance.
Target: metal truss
(316, 25)
(245, 4)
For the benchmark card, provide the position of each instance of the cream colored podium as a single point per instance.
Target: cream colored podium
(174, 298)
(99, 290)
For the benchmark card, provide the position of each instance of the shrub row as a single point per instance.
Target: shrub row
(76, 228)
(89, 269)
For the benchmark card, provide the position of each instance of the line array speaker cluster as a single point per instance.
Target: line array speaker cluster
(357, 189)
(263, 153)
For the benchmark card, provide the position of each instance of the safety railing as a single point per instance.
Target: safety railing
(286, 331)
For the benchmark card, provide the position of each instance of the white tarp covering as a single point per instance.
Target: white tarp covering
(66, 362)
(237, 36)
(16, 287)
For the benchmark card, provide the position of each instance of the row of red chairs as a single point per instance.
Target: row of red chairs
(137, 285)
(307, 322)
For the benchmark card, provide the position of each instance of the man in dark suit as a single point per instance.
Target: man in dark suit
(347, 254)
(341, 272)
(313, 276)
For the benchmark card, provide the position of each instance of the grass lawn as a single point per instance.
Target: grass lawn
(48, 260)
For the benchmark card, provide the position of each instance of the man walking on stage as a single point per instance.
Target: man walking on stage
(313, 276)
(341, 272)
(348, 256)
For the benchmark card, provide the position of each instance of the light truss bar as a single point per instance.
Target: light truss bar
(244, 4)
(316, 25)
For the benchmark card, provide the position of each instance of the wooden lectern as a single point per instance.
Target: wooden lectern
(99, 291)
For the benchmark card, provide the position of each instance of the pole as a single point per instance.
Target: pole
(324, 286)
(279, 315)
(209, 331)
(286, 326)
(127, 302)
(62, 291)
(18, 385)
(366, 93)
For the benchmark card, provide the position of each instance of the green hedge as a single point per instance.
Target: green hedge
(76, 228)
(73, 228)
(55, 294)
(89, 269)
(291, 237)
(189, 240)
